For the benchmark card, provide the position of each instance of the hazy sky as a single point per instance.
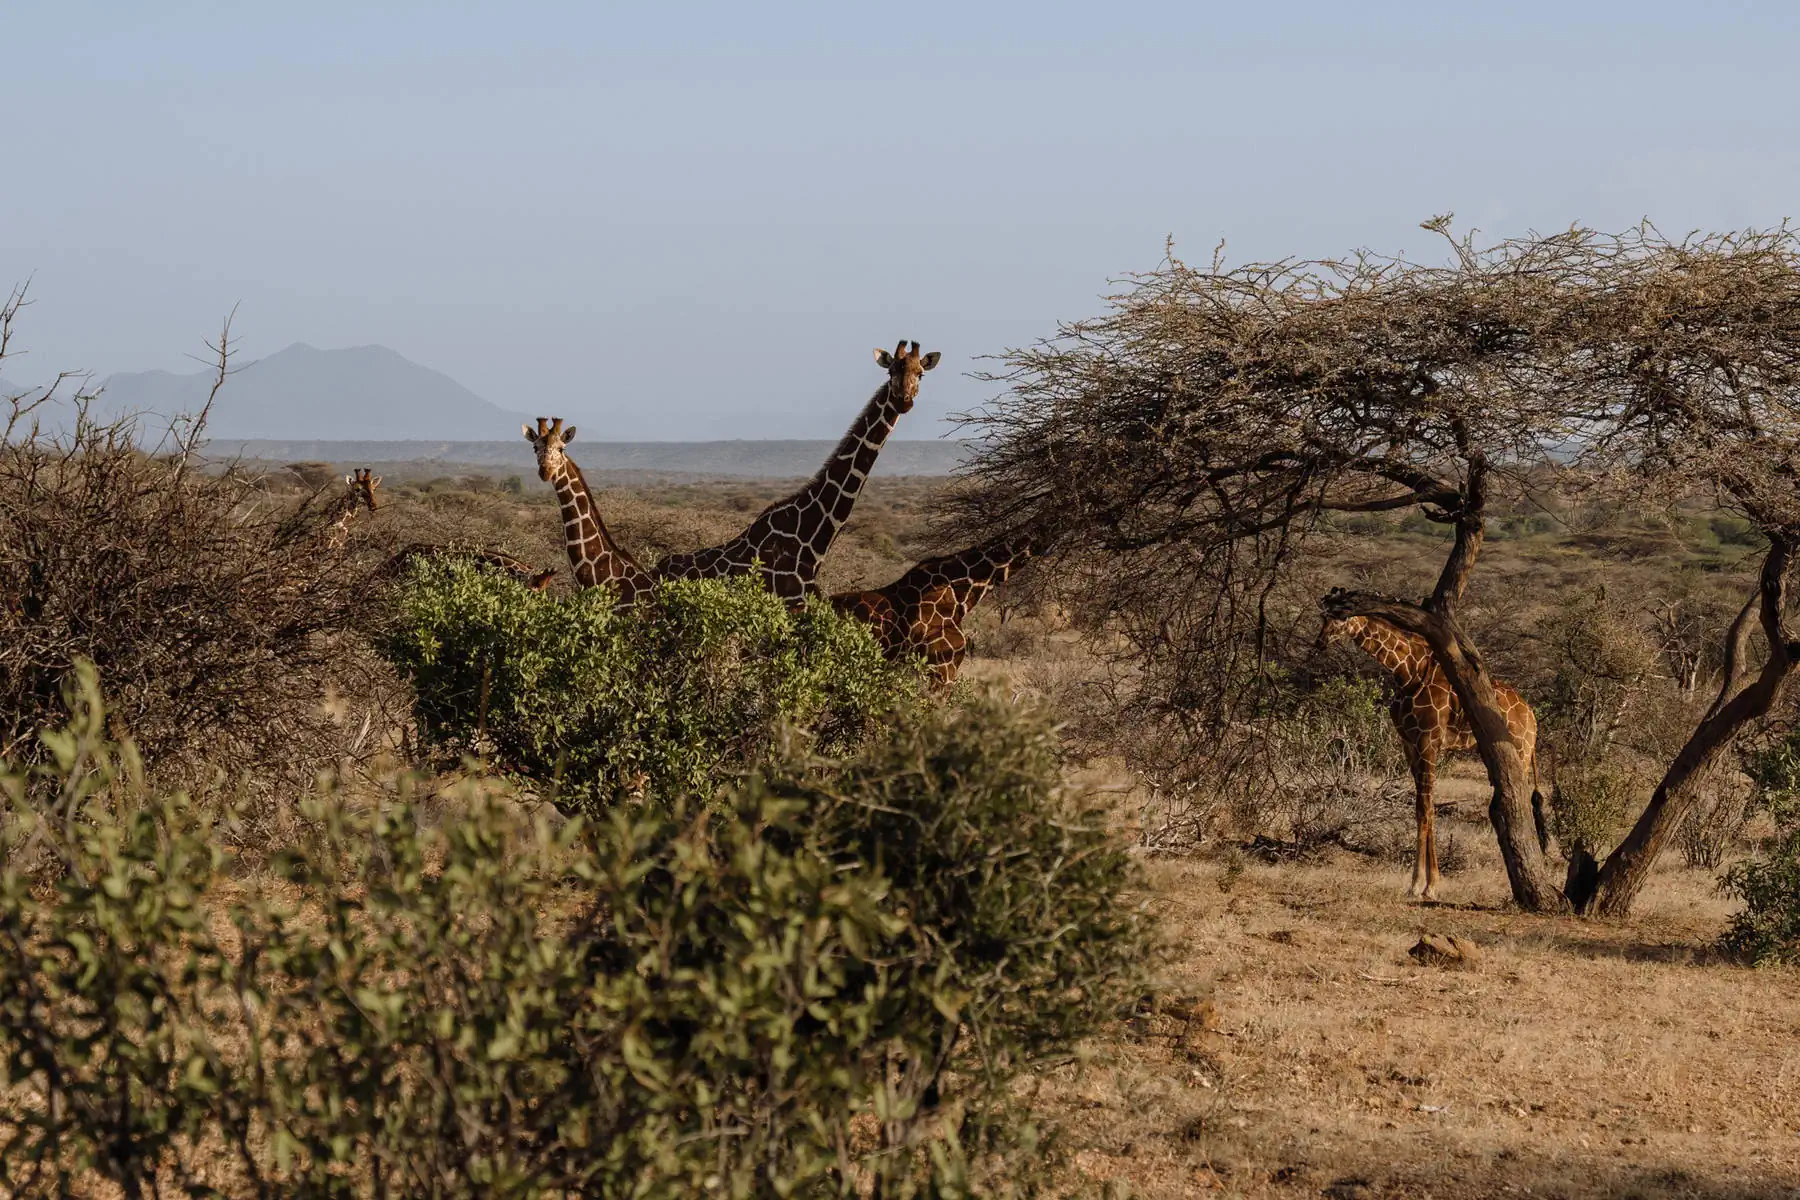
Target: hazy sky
(695, 220)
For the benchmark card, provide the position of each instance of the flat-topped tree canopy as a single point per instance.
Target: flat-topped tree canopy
(1186, 442)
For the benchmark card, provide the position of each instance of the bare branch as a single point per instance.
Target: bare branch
(196, 425)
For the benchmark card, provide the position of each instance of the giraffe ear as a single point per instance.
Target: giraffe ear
(350, 480)
(568, 435)
(530, 434)
(929, 361)
(883, 359)
(374, 481)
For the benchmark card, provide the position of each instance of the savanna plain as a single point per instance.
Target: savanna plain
(1295, 1047)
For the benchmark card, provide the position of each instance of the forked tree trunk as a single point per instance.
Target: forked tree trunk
(1611, 889)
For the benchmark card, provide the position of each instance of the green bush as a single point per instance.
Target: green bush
(1767, 931)
(1591, 803)
(1768, 928)
(670, 696)
(790, 989)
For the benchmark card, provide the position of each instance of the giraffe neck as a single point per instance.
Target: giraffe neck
(840, 478)
(338, 531)
(594, 558)
(969, 574)
(1394, 650)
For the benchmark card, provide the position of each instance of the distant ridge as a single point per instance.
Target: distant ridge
(733, 459)
(364, 392)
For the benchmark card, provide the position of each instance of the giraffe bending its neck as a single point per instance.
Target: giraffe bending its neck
(1430, 720)
(359, 493)
(594, 558)
(922, 611)
(790, 537)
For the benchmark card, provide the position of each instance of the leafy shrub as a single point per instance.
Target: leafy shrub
(791, 989)
(1767, 931)
(669, 696)
(1592, 800)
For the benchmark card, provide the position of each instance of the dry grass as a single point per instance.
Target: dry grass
(1573, 1059)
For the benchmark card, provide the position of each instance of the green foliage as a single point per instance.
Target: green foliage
(791, 989)
(1767, 931)
(670, 696)
(1592, 800)
(1732, 530)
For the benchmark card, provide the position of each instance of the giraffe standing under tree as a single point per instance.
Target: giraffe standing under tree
(922, 611)
(594, 558)
(789, 538)
(1430, 719)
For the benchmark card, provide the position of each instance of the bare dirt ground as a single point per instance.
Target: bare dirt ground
(1573, 1059)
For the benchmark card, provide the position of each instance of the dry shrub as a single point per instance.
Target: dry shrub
(220, 620)
(1715, 827)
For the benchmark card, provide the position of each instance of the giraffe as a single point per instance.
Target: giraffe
(359, 492)
(1430, 720)
(922, 611)
(790, 537)
(536, 580)
(594, 558)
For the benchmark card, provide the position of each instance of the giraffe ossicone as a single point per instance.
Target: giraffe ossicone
(788, 539)
(1430, 720)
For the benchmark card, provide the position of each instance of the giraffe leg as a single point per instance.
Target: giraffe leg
(1422, 781)
(1428, 830)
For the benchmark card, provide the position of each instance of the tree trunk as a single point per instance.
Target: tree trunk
(1533, 887)
(1611, 890)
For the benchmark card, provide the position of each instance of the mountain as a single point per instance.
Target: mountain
(362, 393)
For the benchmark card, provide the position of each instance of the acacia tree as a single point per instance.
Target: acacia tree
(1189, 441)
(1695, 387)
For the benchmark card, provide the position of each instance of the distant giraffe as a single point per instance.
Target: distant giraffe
(922, 611)
(1430, 720)
(790, 537)
(359, 492)
(523, 571)
(594, 558)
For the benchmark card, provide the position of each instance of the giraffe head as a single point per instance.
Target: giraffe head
(362, 484)
(548, 439)
(904, 367)
(1338, 629)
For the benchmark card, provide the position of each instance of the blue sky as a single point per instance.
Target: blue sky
(696, 220)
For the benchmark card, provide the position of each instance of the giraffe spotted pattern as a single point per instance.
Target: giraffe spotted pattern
(1430, 720)
(594, 558)
(922, 611)
(789, 538)
(359, 493)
